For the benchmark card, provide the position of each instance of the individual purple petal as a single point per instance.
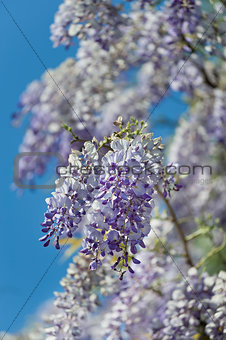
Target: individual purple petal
(46, 243)
(45, 230)
(141, 243)
(49, 215)
(43, 238)
(93, 265)
(135, 260)
(131, 270)
(133, 249)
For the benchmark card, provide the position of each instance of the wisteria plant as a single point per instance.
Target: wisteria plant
(151, 257)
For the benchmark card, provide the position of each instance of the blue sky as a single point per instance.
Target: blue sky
(22, 259)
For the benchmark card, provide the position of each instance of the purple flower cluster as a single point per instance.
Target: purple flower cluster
(71, 199)
(65, 211)
(115, 207)
(119, 218)
(183, 16)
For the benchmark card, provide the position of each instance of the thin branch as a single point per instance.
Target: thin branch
(87, 140)
(79, 140)
(177, 225)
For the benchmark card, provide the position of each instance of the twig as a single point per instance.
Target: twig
(211, 253)
(79, 140)
(177, 225)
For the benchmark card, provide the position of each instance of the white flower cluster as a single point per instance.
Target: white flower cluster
(196, 308)
(80, 297)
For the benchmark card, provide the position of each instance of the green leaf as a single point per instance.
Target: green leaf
(66, 127)
(69, 129)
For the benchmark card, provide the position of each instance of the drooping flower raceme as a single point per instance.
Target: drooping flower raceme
(65, 211)
(70, 201)
(112, 199)
(119, 218)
